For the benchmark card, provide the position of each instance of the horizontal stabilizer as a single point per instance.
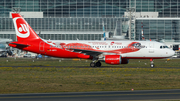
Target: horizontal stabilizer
(18, 45)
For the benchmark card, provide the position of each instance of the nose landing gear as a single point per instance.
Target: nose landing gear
(152, 63)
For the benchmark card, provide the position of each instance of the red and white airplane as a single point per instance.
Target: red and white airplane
(110, 52)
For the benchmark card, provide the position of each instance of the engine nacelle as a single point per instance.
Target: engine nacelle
(115, 60)
(112, 59)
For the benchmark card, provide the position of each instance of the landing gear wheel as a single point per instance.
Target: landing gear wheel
(98, 64)
(92, 64)
(152, 65)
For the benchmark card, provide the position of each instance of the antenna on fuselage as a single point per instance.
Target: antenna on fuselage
(39, 32)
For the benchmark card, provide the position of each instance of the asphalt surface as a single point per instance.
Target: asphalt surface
(143, 95)
(88, 67)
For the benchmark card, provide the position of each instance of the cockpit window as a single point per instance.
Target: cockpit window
(163, 47)
(166, 47)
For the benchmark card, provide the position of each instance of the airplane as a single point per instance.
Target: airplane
(4, 48)
(110, 52)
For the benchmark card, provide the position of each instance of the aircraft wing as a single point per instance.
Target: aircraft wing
(87, 52)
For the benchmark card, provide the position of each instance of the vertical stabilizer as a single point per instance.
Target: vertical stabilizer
(22, 28)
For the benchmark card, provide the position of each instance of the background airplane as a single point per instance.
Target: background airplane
(4, 48)
(110, 52)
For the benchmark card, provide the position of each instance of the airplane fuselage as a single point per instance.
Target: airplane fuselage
(127, 49)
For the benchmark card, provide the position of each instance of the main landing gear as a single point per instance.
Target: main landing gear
(95, 64)
(152, 63)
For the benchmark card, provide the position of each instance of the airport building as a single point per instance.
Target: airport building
(84, 19)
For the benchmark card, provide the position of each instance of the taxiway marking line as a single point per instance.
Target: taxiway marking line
(44, 96)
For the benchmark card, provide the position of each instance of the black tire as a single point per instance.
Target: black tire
(92, 64)
(98, 64)
(152, 65)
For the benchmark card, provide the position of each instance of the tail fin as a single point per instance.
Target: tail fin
(23, 30)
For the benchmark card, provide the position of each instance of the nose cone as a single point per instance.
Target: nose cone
(171, 53)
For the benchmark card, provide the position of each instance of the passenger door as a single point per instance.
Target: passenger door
(151, 47)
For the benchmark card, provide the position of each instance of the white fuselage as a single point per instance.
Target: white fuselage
(129, 49)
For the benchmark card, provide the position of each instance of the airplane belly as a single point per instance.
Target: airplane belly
(144, 53)
(61, 53)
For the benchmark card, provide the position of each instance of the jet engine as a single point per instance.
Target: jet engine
(115, 59)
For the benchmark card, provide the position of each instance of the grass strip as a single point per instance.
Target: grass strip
(51, 79)
(76, 62)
